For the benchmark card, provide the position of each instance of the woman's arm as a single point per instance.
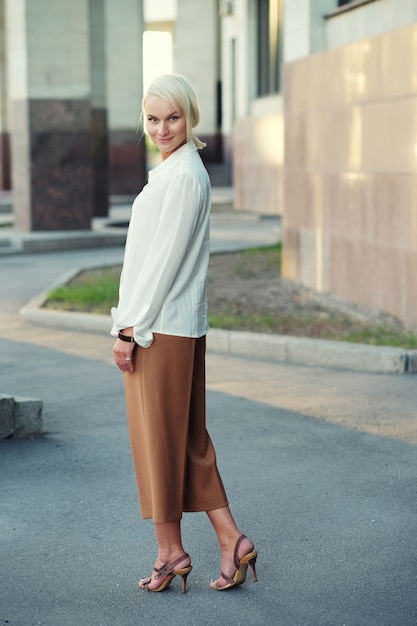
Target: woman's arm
(142, 299)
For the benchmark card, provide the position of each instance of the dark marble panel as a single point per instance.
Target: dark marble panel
(51, 115)
(5, 173)
(213, 152)
(127, 162)
(100, 148)
(52, 164)
(61, 164)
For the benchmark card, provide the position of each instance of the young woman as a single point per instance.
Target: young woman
(161, 323)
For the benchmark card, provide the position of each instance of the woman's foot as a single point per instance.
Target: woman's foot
(164, 572)
(235, 561)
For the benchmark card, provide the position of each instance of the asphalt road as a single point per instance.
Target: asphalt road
(320, 467)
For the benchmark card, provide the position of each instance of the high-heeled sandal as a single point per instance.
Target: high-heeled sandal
(169, 572)
(241, 565)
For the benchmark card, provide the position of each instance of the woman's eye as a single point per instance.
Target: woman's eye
(173, 118)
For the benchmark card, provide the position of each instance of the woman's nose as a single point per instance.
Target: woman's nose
(163, 128)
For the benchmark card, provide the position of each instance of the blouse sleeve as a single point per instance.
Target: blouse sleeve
(141, 301)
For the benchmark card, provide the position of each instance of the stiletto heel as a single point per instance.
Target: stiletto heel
(241, 565)
(252, 563)
(184, 576)
(169, 572)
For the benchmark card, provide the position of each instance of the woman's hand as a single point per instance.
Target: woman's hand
(123, 356)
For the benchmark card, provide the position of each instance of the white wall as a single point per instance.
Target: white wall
(160, 10)
(369, 20)
(195, 55)
(43, 60)
(124, 28)
(238, 81)
(304, 27)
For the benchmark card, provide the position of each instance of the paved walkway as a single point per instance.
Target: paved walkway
(320, 466)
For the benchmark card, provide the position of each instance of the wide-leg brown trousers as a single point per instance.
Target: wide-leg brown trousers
(173, 455)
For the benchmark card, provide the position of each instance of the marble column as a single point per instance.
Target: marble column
(99, 134)
(4, 121)
(197, 56)
(124, 34)
(49, 87)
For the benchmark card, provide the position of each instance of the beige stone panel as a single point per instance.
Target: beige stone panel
(312, 234)
(350, 274)
(291, 252)
(369, 213)
(388, 278)
(378, 67)
(316, 127)
(354, 61)
(378, 136)
(370, 269)
(268, 136)
(412, 216)
(403, 123)
(373, 276)
(364, 68)
(308, 259)
(314, 259)
(342, 139)
(294, 198)
(313, 217)
(295, 141)
(333, 204)
(257, 164)
(263, 195)
(410, 289)
(394, 224)
(295, 86)
(319, 79)
(399, 62)
(348, 194)
(299, 199)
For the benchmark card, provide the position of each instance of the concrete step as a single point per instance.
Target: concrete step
(20, 416)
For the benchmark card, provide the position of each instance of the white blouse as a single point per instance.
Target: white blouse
(163, 281)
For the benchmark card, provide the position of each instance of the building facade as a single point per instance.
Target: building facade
(327, 138)
(70, 92)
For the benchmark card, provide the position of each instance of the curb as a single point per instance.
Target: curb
(317, 352)
(266, 347)
(34, 243)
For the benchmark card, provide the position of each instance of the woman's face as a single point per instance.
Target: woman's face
(165, 125)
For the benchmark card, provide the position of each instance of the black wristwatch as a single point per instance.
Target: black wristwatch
(126, 338)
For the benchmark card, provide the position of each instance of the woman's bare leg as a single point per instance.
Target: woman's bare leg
(227, 534)
(170, 548)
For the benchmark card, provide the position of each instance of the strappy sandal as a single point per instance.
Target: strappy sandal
(241, 565)
(169, 572)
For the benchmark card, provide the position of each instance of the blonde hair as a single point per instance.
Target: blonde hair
(178, 91)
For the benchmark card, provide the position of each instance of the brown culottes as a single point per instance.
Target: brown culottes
(173, 456)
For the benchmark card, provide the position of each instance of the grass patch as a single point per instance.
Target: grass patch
(380, 336)
(255, 260)
(93, 291)
(96, 291)
(254, 322)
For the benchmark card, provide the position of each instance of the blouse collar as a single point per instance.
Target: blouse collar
(165, 167)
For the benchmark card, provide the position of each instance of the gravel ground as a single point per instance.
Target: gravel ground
(250, 292)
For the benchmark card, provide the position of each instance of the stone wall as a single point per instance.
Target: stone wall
(350, 217)
(258, 144)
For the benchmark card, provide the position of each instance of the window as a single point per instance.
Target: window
(269, 24)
